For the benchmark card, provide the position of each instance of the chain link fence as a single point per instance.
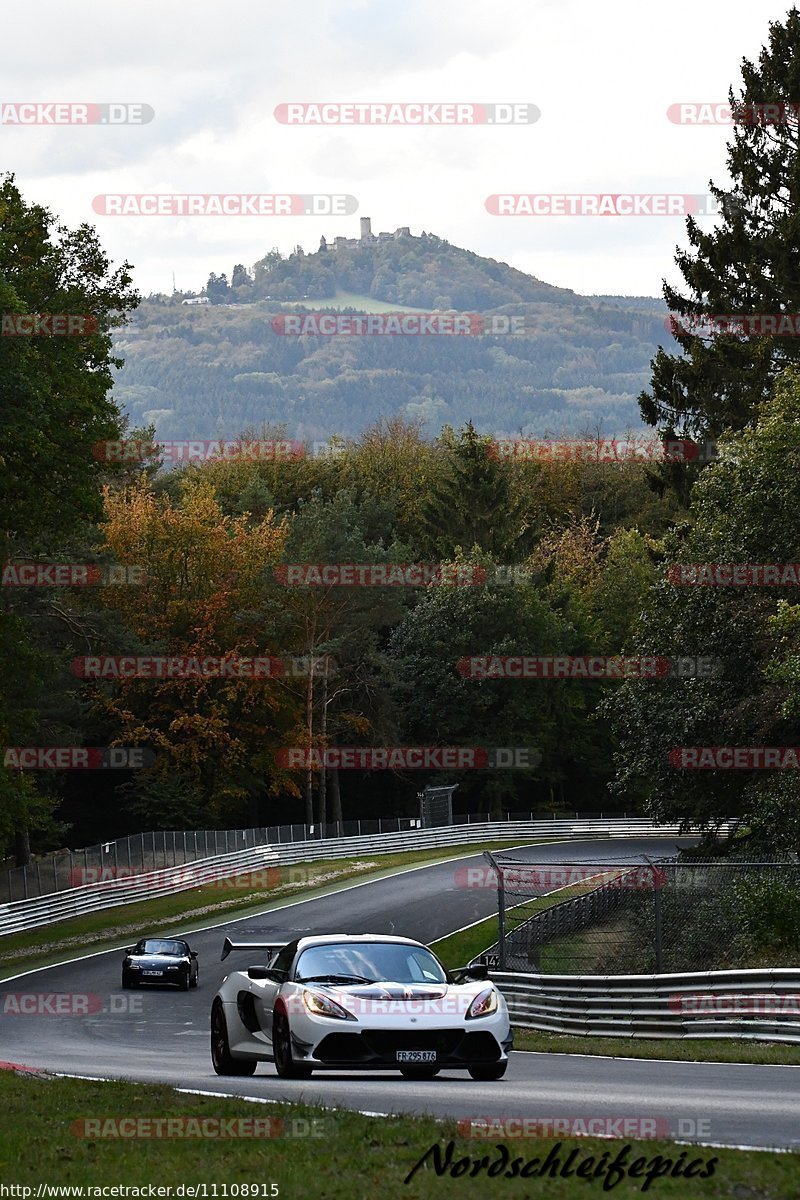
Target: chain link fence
(151, 851)
(637, 916)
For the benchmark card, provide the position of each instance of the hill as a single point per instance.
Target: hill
(212, 371)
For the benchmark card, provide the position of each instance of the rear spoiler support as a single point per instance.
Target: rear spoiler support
(228, 945)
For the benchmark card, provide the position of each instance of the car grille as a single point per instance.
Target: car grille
(381, 1046)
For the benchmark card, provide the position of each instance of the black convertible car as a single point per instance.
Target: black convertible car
(160, 960)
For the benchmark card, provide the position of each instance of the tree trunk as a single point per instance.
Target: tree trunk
(22, 846)
(336, 799)
(322, 806)
(309, 784)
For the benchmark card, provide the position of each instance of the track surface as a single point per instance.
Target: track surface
(163, 1034)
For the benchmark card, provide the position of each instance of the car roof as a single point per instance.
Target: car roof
(327, 939)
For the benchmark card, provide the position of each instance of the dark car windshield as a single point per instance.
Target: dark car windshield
(389, 962)
(158, 946)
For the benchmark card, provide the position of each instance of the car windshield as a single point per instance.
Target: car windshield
(391, 962)
(158, 946)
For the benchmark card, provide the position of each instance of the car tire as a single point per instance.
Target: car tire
(194, 982)
(485, 1072)
(223, 1061)
(285, 1065)
(185, 982)
(419, 1072)
(127, 982)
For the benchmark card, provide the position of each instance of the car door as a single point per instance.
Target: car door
(265, 992)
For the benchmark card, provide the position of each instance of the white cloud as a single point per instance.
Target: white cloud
(602, 75)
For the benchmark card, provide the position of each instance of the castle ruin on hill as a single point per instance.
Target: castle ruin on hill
(367, 238)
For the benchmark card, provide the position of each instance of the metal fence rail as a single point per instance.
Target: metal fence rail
(668, 914)
(756, 1005)
(169, 848)
(76, 901)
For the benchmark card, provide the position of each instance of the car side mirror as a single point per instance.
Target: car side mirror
(264, 973)
(477, 971)
(192, 954)
(129, 950)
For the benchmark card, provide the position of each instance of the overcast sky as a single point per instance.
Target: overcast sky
(603, 76)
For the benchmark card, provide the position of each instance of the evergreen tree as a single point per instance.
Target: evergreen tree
(748, 264)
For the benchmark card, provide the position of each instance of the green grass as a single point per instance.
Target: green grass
(683, 1049)
(457, 949)
(357, 1158)
(200, 907)
(342, 299)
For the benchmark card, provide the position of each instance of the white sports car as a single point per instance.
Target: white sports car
(363, 1002)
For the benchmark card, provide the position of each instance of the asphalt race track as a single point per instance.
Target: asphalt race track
(163, 1034)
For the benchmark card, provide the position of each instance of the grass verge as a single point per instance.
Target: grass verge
(199, 907)
(680, 1049)
(457, 949)
(331, 1163)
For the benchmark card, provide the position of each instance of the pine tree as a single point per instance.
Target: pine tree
(748, 264)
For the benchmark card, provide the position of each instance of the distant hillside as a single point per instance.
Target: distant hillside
(419, 272)
(212, 371)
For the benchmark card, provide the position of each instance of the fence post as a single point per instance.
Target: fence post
(659, 935)
(501, 911)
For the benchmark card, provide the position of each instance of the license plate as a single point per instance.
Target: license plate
(416, 1056)
(152, 972)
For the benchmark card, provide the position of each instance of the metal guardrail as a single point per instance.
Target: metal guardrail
(755, 1005)
(58, 906)
(140, 852)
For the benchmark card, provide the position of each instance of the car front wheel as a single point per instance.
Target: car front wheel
(285, 1065)
(221, 1057)
(485, 1072)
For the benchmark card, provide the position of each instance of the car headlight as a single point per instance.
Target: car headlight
(484, 1003)
(134, 966)
(323, 1006)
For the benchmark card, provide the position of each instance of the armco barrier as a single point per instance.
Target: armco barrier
(61, 906)
(756, 1005)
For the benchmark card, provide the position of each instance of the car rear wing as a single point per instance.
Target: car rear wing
(272, 947)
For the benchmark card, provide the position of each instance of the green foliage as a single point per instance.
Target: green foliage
(746, 264)
(744, 509)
